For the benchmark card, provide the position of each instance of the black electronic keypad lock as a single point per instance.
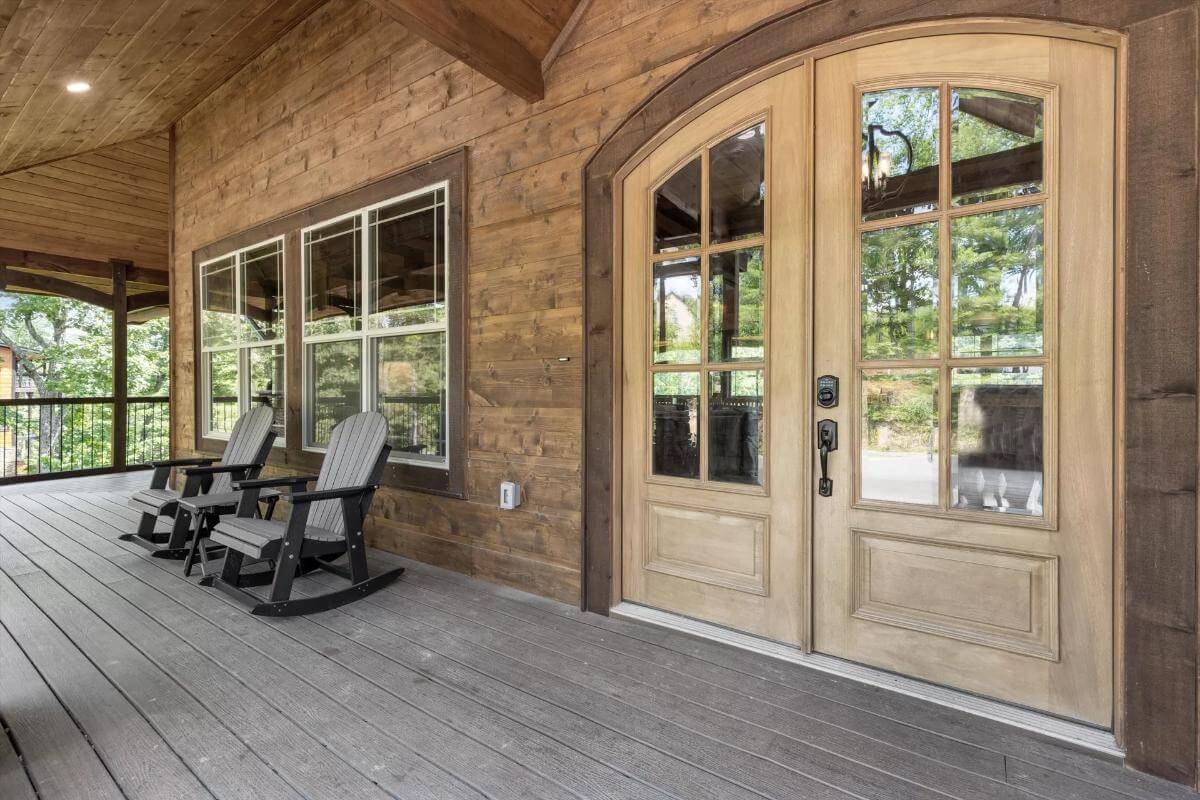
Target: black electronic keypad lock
(827, 391)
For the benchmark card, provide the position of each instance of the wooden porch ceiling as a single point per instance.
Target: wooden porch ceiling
(512, 42)
(148, 61)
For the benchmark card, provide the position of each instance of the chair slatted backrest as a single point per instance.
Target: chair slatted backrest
(354, 449)
(246, 444)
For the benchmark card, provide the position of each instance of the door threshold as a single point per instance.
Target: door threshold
(1075, 733)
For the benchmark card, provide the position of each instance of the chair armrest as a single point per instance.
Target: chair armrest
(182, 462)
(298, 498)
(283, 480)
(219, 468)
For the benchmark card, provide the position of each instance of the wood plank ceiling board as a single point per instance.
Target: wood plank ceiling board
(512, 42)
(148, 62)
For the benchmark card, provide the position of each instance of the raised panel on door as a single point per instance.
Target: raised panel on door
(714, 259)
(963, 288)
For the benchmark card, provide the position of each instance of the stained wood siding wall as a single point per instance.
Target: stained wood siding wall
(347, 97)
(105, 204)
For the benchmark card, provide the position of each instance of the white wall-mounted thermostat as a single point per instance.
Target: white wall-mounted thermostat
(510, 495)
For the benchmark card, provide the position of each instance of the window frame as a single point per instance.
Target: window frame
(447, 170)
(241, 347)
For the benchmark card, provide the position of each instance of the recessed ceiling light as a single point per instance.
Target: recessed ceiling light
(78, 87)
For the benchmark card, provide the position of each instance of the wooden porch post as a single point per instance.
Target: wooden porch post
(120, 343)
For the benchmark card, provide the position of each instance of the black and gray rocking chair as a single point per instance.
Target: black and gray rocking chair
(323, 524)
(207, 484)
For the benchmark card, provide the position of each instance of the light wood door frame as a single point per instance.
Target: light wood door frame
(808, 57)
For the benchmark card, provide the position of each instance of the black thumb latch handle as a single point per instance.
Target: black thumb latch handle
(826, 444)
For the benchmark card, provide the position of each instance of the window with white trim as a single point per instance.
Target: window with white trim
(242, 324)
(376, 324)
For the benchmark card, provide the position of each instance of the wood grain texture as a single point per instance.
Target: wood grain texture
(106, 204)
(349, 96)
(147, 61)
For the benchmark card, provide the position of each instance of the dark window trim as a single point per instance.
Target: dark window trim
(451, 167)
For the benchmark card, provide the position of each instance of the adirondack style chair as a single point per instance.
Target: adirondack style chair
(207, 485)
(323, 524)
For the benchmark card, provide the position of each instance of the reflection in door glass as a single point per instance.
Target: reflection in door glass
(676, 427)
(996, 439)
(736, 185)
(677, 210)
(900, 134)
(996, 299)
(735, 309)
(995, 145)
(900, 292)
(676, 322)
(899, 438)
(735, 426)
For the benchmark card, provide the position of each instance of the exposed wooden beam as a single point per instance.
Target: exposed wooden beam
(456, 27)
(141, 300)
(563, 35)
(17, 281)
(78, 266)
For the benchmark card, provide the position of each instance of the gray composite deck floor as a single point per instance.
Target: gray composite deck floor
(120, 678)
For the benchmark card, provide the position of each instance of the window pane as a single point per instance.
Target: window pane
(334, 387)
(735, 313)
(737, 187)
(900, 132)
(410, 387)
(408, 268)
(222, 368)
(676, 320)
(333, 264)
(677, 211)
(735, 426)
(267, 380)
(676, 429)
(218, 324)
(900, 292)
(995, 145)
(996, 439)
(900, 436)
(262, 293)
(997, 285)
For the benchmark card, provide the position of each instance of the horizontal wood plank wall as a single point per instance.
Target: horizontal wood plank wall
(347, 97)
(106, 204)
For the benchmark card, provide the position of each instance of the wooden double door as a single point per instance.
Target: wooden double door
(867, 363)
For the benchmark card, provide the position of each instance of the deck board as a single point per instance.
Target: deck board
(442, 686)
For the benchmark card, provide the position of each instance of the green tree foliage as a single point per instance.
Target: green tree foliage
(64, 347)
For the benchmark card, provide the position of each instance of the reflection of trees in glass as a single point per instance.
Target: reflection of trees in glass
(735, 317)
(222, 390)
(900, 292)
(997, 286)
(900, 412)
(410, 380)
(1002, 132)
(677, 311)
(336, 386)
(914, 113)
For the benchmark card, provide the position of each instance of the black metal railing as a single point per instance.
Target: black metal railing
(72, 435)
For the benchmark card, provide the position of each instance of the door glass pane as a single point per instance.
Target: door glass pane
(334, 387)
(410, 390)
(997, 301)
(735, 426)
(735, 311)
(676, 425)
(995, 145)
(900, 292)
(676, 334)
(677, 210)
(333, 266)
(900, 436)
(262, 293)
(267, 383)
(737, 187)
(222, 369)
(408, 262)
(996, 439)
(218, 324)
(900, 134)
